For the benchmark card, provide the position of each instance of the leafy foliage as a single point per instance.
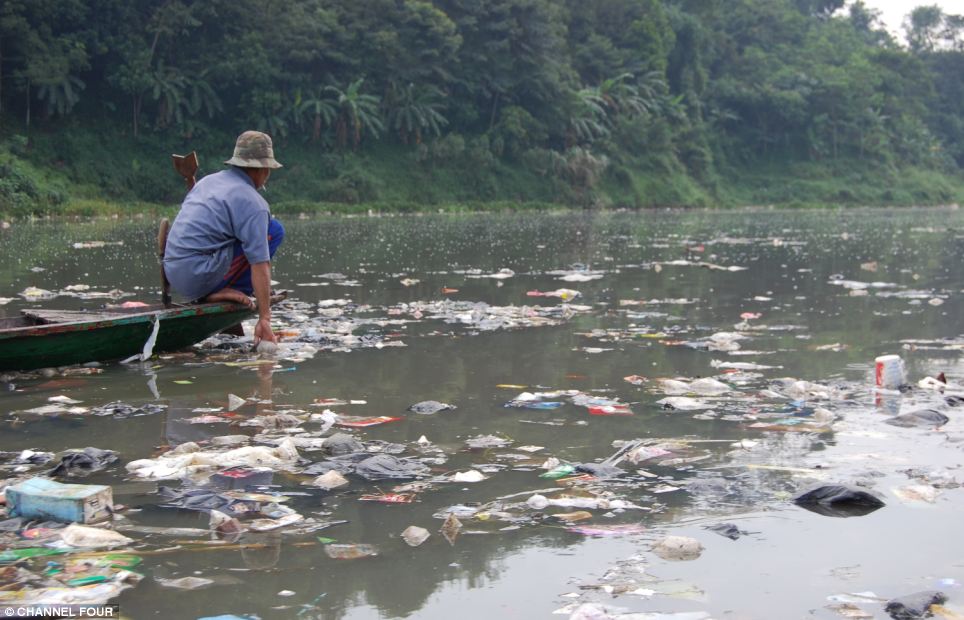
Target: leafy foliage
(592, 95)
(416, 111)
(357, 113)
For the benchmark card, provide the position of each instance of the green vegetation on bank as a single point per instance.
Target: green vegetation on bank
(454, 104)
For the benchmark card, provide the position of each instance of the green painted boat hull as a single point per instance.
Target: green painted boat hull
(29, 347)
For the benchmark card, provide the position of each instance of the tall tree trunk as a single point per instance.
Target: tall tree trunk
(1, 75)
(834, 130)
(341, 132)
(764, 138)
(138, 98)
(150, 56)
(135, 112)
(162, 114)
(28, 103)
(495, 107)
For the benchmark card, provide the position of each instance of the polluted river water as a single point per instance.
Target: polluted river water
(612, 379)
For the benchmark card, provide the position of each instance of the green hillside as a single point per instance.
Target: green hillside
(418, 104)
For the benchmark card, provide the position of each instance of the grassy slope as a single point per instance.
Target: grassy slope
(843, 183)
(85, 171)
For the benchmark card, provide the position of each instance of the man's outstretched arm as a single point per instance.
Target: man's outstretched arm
(261, 282)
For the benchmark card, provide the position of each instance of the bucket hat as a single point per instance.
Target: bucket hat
(253, 150)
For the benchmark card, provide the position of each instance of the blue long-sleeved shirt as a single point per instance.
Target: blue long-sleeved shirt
(223, 207)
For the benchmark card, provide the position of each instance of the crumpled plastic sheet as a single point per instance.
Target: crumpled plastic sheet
(371, 467)
(26, 457)
(206, 500)
(428, 407)
(188, 459)
(922, 418)
(96, 594)
(120, 409)
(838, 500)
(387, 466)
(342, 443)
(83, 461)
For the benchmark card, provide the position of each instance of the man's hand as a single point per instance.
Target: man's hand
(261, 280)
(262, 331)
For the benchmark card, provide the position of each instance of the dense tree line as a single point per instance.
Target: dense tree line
(572, 86)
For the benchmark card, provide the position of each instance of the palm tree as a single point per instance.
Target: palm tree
(60, 94)
(272, 122)
(357, 112)
(199, 98)
(203, 97)
(588, 120)
(321, 108)
(414, 110)
(167, 87)
(133, 78)
(271, 112)
(622, 97)
(595, 107)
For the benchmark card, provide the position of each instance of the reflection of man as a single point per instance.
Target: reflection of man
(178, 428)
(221, 243)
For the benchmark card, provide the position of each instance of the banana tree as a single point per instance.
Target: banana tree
(416, 110)
(60, 95)
(588, 120)
(168, 88)
(202, 97)
(320, 108)
(271, 112)
(357, 113)
(624, 94)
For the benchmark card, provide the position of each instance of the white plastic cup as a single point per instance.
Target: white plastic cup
(890, 372)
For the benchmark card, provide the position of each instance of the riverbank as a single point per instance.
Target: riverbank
(88, 173)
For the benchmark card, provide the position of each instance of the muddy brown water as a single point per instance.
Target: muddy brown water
(833, 290)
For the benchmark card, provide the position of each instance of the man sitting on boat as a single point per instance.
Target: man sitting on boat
(222, 241)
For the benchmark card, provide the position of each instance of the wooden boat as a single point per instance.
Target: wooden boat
(45, 338)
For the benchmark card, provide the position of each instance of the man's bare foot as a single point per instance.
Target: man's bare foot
(231, 295)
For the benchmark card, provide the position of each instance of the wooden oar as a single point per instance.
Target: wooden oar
(162, 231)
(186, 166)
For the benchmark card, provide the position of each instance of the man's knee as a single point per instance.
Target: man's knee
(276, 232)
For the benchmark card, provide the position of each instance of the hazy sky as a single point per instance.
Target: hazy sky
(893, 11)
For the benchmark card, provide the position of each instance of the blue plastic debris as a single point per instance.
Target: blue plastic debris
(533, 404)
(40, 498)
